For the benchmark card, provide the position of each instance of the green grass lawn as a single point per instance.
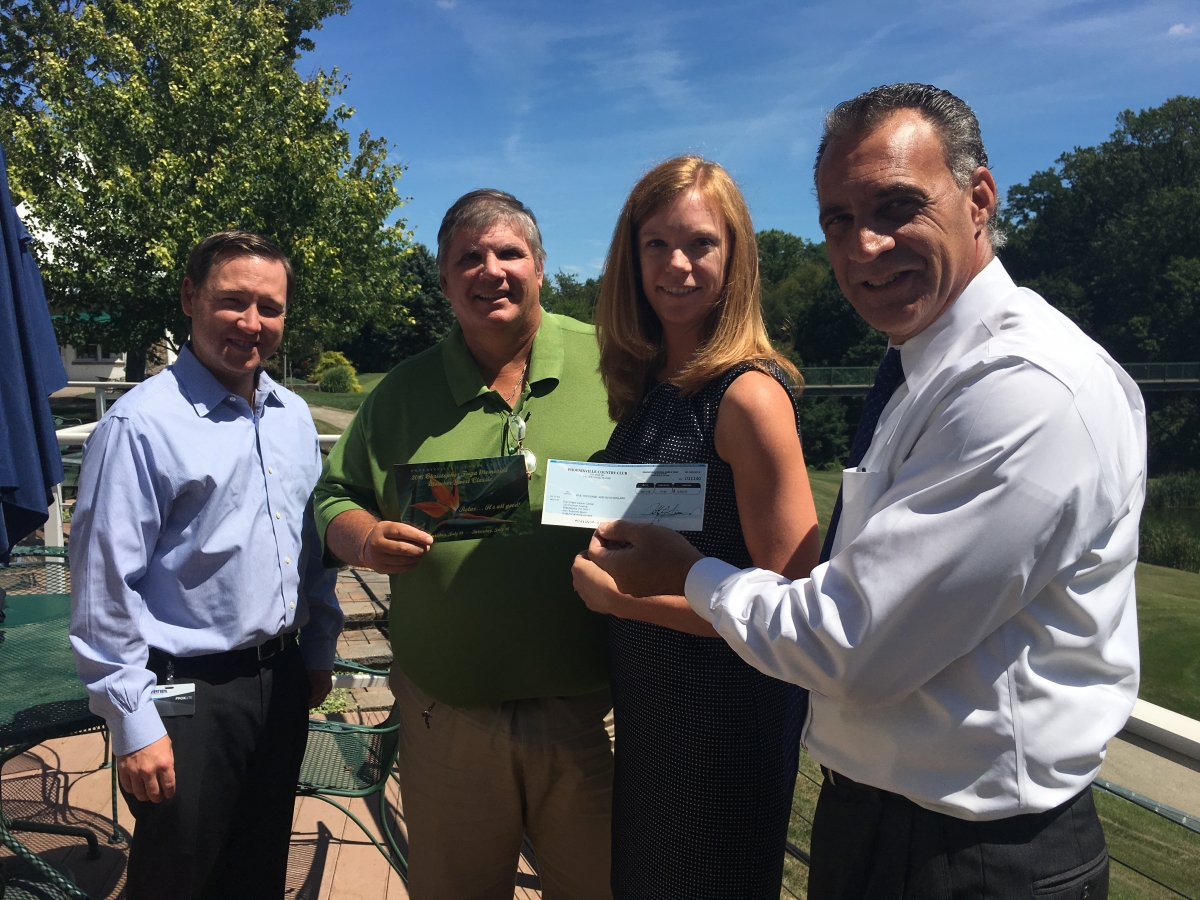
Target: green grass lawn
(1169, 631)
(344, 401)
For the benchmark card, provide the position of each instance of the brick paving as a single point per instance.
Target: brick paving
(61, 780)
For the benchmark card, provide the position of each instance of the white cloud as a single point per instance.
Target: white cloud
(447, 4)
(1180, 30)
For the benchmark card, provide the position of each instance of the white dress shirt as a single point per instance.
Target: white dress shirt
(972, 642)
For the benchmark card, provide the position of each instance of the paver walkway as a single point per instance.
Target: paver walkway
(334, 416)
(330, 859)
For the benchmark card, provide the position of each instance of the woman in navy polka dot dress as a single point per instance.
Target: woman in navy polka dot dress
(706, 746)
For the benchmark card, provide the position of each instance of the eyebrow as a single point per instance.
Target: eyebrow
(506, 248)
(893, 190)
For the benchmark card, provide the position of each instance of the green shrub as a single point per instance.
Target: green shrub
(1180, 490)
(339, 380)
(328, 360)
(1169, 542)
(339, 700)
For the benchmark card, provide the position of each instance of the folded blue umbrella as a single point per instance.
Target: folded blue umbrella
(31, 370)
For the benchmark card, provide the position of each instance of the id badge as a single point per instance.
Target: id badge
(174, 699)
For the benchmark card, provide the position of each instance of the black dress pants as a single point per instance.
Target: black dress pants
(225, 833)
(868, 843)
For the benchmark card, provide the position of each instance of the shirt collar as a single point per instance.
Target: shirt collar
(203, 390)
(545, 362)
(920, 354)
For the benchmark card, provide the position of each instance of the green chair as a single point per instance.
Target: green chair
(345, 760)
(42, 698)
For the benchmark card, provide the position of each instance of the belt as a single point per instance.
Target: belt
(270, 647)
(264, 651)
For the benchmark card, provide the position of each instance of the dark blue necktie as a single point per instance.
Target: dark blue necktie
(887, 379)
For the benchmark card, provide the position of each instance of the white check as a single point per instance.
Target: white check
(585, 494)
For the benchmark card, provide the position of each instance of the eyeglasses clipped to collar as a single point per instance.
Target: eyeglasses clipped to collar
(516, 435)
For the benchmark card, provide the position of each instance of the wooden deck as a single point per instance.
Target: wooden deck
(61, 781)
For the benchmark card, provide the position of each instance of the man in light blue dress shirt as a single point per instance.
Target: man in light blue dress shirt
(194, 562)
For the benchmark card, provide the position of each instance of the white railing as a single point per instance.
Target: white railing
(102, 389)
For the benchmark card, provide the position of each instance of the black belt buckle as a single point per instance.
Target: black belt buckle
(267, 649)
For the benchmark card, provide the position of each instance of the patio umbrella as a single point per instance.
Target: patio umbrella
(31, 370)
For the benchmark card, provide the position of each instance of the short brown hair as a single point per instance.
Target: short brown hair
(226, 244)
(483, 208)
(629, 332)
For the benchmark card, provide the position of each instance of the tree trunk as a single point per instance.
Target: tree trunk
(135, 365)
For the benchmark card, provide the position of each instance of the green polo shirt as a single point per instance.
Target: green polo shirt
(478, 622)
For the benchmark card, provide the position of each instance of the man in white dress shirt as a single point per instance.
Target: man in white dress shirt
(970, 637)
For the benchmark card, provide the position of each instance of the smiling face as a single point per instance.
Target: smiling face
(903, 238)
(237, 317)
(683, 249)
(492, 280)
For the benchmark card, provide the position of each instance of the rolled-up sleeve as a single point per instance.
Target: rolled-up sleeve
(118, 515)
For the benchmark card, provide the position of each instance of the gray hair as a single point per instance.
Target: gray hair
(481, 209)
(953, 119)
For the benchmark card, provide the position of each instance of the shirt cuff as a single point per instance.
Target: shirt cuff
(703, 580)
(139, 729)
(317, 652)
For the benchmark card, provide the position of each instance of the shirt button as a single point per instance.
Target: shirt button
(232, 399)
(288, 560)
(277, 515)
(291, 606)
(270, 471)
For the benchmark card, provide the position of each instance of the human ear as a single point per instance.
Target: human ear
(187, 293)
(984, 197)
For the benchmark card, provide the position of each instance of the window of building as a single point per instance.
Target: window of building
(96, 353)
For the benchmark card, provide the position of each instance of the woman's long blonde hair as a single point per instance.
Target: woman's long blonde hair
(630, 334)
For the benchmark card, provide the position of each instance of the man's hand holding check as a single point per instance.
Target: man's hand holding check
(644, 560)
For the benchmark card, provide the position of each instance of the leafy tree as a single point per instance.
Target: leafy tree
(805, 312)
(380, 346)
(565, 294)
(140, 126)
(812, 323)
(1111, 235)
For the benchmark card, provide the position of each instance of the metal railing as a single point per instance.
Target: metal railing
(850, 381)
(1171, 376)
(103, 389)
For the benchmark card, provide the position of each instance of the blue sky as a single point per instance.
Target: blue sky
(565, 104)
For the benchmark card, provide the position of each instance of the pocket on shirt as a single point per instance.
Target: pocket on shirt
(860, 491)
(1086, 882)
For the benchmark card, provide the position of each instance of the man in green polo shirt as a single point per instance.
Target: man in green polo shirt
(500, 671)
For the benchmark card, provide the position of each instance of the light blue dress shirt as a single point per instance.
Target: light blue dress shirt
(192, 533)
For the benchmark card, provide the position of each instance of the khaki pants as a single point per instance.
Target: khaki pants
(473, 781)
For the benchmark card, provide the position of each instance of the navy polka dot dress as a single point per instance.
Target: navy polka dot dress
(706, 746)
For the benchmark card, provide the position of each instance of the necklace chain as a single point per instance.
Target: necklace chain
(520, 383)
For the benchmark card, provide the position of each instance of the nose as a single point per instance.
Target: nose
(679, 260)
(869, 243)
(250, 321)
(492, 267)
